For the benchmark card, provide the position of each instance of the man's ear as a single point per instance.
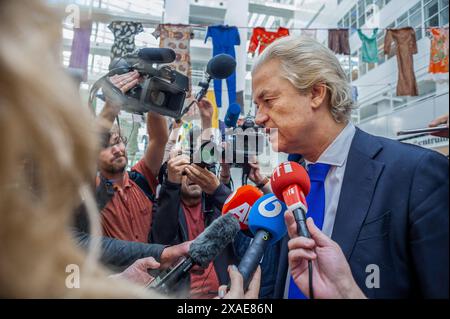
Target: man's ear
(318, 94)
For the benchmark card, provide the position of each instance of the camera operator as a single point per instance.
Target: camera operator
(119, 249)
(127, 215)
(181, 213)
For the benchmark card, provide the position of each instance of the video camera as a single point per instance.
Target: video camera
(163, 90)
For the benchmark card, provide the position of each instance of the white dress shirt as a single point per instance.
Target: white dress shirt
(335, 155)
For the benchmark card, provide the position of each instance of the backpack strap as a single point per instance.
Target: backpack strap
(140, 180)
(103, 193)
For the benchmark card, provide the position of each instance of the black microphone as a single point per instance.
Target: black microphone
(143, 60)
(204, 249)
(219, 67)
(156, 55)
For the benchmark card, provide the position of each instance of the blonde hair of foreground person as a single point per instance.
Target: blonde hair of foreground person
(44, 126)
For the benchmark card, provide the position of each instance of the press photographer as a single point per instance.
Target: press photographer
(183, 212)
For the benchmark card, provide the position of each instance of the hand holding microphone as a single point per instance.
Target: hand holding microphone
(203, 250)
(332, 276)
(309, 248)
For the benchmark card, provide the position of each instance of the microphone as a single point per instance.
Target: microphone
(232, 116)
(290, 183)
(155, 55)
(204, 249)
(266, 222)
(143, 60)
(221, 66)
(239, 203)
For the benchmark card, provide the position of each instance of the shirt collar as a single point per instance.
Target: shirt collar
(337, 152)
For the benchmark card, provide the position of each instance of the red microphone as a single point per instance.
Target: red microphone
(240, 202)
(290, 183)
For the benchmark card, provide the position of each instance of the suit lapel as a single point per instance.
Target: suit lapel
(360, 179)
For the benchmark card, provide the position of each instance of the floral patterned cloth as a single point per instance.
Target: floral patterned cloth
(262, 38)
(124, 34)
(439, 50)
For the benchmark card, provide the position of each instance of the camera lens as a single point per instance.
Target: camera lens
(158, 97)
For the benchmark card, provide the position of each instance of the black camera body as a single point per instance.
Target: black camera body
(239, 146)
(164, 94)
(163, 90)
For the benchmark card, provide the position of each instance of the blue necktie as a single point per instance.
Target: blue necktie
(316, 209)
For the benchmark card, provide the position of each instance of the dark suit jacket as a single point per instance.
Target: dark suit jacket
(392, 212)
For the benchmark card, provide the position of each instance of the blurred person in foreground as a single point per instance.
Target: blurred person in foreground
(52, 150)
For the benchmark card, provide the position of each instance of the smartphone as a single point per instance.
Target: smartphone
(441, 128)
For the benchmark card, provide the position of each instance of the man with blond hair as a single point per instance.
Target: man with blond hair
(379, 207)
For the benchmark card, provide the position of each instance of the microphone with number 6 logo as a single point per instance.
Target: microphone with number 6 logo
(266, 222)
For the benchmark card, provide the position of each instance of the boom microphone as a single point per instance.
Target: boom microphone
(240, 202)
(266, 222)
(204, 249)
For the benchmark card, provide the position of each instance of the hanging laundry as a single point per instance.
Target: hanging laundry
(224, 38)
(177, 37)
(81, 45)
(262, 38)
(406, 45)
(124, 33)
(338, 41)
(439, 50)
(369, 46)
(310, 33)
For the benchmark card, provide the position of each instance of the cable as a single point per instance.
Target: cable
(310, 279)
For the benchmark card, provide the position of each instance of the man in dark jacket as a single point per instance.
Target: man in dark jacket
(184, 209)
(190, 198)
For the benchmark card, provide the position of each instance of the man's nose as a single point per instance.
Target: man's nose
(116, 149)
(261, 117)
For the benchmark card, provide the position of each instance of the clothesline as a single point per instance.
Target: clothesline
(294, 28)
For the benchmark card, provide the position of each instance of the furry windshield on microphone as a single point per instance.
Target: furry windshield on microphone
(213, 240)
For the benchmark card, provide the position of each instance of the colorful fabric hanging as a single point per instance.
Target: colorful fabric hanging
(124, 33)
(81, 45)
(439, 50)
(224, 38)
(262, 38)
(338, 41)
(177, 37)
(406, 45)
(369, 46)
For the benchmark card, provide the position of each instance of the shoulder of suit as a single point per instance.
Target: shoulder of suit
(392, 150)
